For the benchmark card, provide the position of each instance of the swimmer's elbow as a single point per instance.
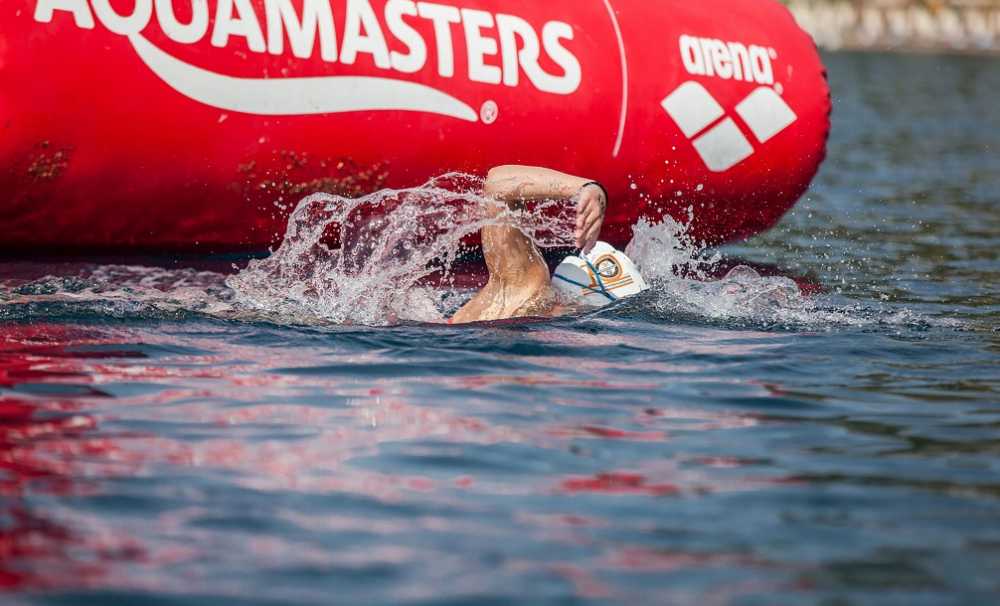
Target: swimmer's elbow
(503, 171)
(504, 182)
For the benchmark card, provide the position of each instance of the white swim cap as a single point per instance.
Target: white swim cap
(603, 275)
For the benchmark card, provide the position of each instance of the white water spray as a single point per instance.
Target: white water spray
(393, 263)
(391, 242)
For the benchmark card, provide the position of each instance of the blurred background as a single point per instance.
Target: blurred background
(925, 25)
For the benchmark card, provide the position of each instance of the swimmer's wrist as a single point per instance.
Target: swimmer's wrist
(600, 187)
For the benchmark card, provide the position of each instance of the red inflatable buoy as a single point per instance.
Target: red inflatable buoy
(197, 124)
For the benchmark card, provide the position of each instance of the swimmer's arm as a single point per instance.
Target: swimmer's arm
(512, 183)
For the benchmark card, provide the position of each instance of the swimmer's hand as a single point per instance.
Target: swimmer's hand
(590, 206)
(514, 184)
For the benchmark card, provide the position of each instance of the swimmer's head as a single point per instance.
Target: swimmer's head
(601, 276)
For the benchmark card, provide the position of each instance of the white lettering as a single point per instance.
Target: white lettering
(691, 55)
(416, 56)
(360, 16)
(706, 56)
(552, 33)
(501, 56)
(122, 24)
(478, 46)
(316, 16)
(82, 16)
(760, 63)
(442, 16)
(177, 31)
(741, 61)
(721, 61)
(510, 29)
(727, 60)
(245, 24)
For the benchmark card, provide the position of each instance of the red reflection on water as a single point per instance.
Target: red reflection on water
(617, 483)
(464, 482)
(63, 457)
(585, 584)
(52, 442)
(646, 559)
(723, 462)
(480, 381)
(27, 537)
(694, 419)
(33, 448)
(609, 433)
(39, 553)
(43, 440)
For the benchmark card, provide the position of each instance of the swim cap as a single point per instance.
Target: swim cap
(601, 276)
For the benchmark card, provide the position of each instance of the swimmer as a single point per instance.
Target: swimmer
(519, 283)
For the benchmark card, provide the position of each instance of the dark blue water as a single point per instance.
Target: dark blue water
(673, 450)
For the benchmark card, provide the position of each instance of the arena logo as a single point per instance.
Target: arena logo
(727, 60)
(716, 136)
(516, 41)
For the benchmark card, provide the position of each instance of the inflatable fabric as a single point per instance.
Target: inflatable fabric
(196, 125)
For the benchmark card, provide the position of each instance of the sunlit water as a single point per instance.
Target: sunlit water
(307, 431)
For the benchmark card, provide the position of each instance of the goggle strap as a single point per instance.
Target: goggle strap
(609, 295)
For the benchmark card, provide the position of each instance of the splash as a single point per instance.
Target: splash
(388, 258)
(391, 243)
(665, 250)
(381, 259)
(117, 291)
(692, 283)
(684, 279)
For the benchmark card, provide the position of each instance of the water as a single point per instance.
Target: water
(190, 436)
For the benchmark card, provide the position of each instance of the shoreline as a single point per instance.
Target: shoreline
(958, 26)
